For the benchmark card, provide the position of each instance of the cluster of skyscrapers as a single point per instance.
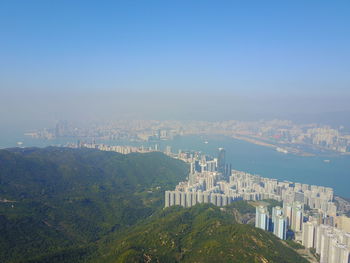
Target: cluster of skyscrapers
(213, 180)
(308, 213)
(204, 180)
(332, 244)
(290, 216)
(123, 149)
(275, 132)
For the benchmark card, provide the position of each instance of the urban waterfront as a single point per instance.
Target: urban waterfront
(327, 170)
(302, 212)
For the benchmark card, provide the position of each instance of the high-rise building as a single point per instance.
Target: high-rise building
(347, 239)
(224, 200)
(200, 197)
(331, 244)
(262, 218)
(279, 222)
(344, 253)
(188, 199)
(219, 200)
(210, 181)
(338, 253)
(276, 211)
(326, 239)
(228, 170)
(206, 198)
(183, 199)
(297, 217)
(287, 211)
(280, 226)
(320, 231)
(299, 197)
(343, 223)
(221, 160)
(333, 251)
(167, 198)
(213, 199)
(192, 168)
(192, 178)
(194, 198)
(211, 166)
(308, 235)
(197, 166)
(177, 198)
(171, 196)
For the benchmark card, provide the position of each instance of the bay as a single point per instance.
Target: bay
(244, 156)
(267, 162)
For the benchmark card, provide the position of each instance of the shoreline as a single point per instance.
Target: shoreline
(276, 147)
(257, 141)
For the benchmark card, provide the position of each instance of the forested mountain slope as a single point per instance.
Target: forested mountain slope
(203, 233)
(83, 205)
(55, 199)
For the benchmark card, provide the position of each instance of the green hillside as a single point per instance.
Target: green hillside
(65, 199)
(82, 205)
(203, 233)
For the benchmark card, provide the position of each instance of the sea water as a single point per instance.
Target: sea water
(331, 170)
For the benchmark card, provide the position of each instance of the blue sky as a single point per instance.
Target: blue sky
(242, 49)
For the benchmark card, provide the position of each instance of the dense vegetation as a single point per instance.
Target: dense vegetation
(242, 207)
(81, 205)
(203, 233)
(65, 199)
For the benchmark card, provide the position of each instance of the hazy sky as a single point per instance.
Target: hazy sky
(172, 59)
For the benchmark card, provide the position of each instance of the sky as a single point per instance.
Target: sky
(172, 59)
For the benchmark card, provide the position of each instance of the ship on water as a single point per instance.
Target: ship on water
(281, 150)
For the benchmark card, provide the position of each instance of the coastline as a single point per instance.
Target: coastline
(276, 147)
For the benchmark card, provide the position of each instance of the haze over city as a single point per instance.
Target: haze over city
(195, 60)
